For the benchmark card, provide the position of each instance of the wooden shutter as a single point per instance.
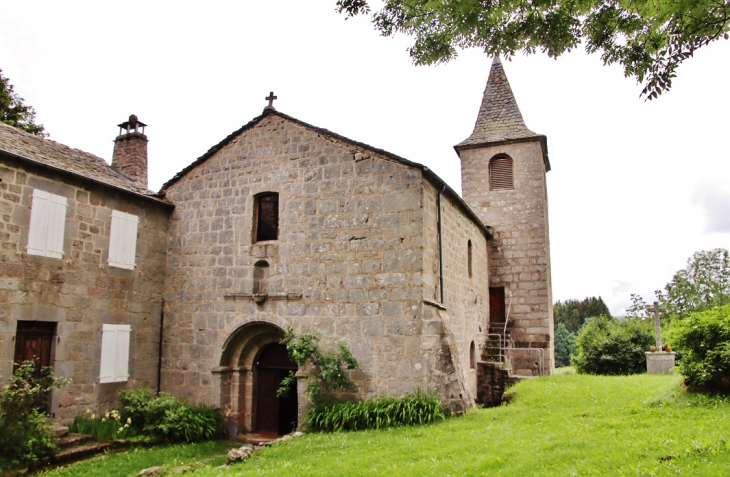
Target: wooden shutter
(501, 174)
(47, 222)
(114, 353)
(123, 240)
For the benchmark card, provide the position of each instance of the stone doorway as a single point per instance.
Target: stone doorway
(252, 366)
(33, 342)
(274, 414)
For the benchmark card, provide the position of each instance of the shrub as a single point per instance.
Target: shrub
(613, 347)
(24, 433)
(376, 413)
(165, 418)
(327, 369)
(704, 339)
(135, 404)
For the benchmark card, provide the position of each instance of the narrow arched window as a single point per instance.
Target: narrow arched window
(473, 356)
(501, 173)
(469, 257)
(267, 216)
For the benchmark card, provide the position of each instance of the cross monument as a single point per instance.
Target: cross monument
(656, 309)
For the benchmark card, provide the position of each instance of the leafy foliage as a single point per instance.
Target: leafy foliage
(24, 432)
(327, 370)
(573, 313)
(14, 112)
(165, 418)
(376, 413)
(565, 346)
(703, 284)
(704, 339)
(649, 39)
(613, 347)
(102, 428)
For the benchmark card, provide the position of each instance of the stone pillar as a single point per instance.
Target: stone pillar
(130, 151)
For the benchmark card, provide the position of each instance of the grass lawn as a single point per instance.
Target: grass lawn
(559, 425)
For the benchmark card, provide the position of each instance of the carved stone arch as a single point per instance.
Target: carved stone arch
(240, 374)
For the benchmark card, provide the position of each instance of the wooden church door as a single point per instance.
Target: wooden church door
(275, 415)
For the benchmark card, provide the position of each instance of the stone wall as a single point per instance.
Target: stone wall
(519, 257)
(80, 292)
(450, 329)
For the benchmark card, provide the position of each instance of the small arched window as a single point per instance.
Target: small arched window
(473, 356)
(501, 173)
(469, 257)
(267, 216)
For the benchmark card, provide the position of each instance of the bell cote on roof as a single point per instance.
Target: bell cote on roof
(130, 151)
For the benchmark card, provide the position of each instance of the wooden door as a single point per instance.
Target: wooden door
(275, 415)
(33, 341)
(496, 305)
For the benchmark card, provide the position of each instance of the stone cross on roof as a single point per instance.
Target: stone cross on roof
(270, 98)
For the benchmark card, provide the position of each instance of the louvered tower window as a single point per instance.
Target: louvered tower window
(501, 175)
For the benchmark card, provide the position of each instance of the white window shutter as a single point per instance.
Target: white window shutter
(47, 222)
(123, 240)
(114, 353)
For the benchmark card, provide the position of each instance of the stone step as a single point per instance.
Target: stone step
(78, 452)
(59, 431)
(72, 439)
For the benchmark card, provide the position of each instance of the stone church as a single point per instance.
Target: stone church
(189, 290)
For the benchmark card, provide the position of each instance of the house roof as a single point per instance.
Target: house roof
(46, 153)
(440, 184)
(500, 119)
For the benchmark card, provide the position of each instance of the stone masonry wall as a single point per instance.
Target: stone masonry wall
(80, 292)
(448, 331)
(350, 242)
(520, 253)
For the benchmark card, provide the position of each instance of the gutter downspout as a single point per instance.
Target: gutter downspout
(159, 358)
(441, 245)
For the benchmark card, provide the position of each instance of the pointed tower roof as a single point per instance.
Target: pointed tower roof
(499, 116)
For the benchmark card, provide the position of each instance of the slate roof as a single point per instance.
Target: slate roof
(499, 116)
(45, 152)
(271, 111)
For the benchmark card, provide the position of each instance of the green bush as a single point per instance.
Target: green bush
(24, 433)
(704, 339)
(168, 419)
(135, 403)
(613, 347)
(376, 413)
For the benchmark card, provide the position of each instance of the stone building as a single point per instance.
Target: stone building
(83, 257)
(285, 224)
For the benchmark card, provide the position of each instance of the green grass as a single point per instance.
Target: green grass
(129, 463)
(560, 425)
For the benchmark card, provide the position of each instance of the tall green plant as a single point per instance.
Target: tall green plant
(376, 413)
(24, 433)
(326, 370)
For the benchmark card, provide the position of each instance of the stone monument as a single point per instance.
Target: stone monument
(659, 361)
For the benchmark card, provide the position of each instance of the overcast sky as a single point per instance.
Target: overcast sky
(636, 187)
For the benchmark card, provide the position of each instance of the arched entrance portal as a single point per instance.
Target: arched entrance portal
(274, 414)
(252, 365)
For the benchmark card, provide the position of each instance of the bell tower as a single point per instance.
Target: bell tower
(503, 168)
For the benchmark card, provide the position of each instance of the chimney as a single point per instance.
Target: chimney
(130, 151)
